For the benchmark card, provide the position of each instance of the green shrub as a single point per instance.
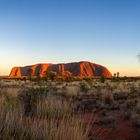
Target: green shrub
(52, 75)
(84, 87)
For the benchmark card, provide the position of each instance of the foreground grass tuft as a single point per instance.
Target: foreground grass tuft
(53, 120)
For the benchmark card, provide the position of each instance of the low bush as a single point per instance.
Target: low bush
(108, 98)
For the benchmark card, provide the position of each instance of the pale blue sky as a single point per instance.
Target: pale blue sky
(106, 32)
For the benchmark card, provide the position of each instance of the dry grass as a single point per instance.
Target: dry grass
(52, 107)
(53, 121)
(36, 111)
(72, 90)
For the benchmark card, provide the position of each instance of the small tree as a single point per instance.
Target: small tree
(45, 75)
(118, 74)
(38, 76)
(30, 72)
(52, 75)
(102, 78)
(67, 75)
(115, 75)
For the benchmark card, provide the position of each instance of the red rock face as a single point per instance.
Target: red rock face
(76, 68)
(16, 71)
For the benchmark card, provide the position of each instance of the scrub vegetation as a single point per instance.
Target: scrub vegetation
(72, 109)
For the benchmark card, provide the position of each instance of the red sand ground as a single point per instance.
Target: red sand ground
(123, 129)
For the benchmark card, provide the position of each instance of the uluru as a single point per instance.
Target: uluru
(83, 68)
